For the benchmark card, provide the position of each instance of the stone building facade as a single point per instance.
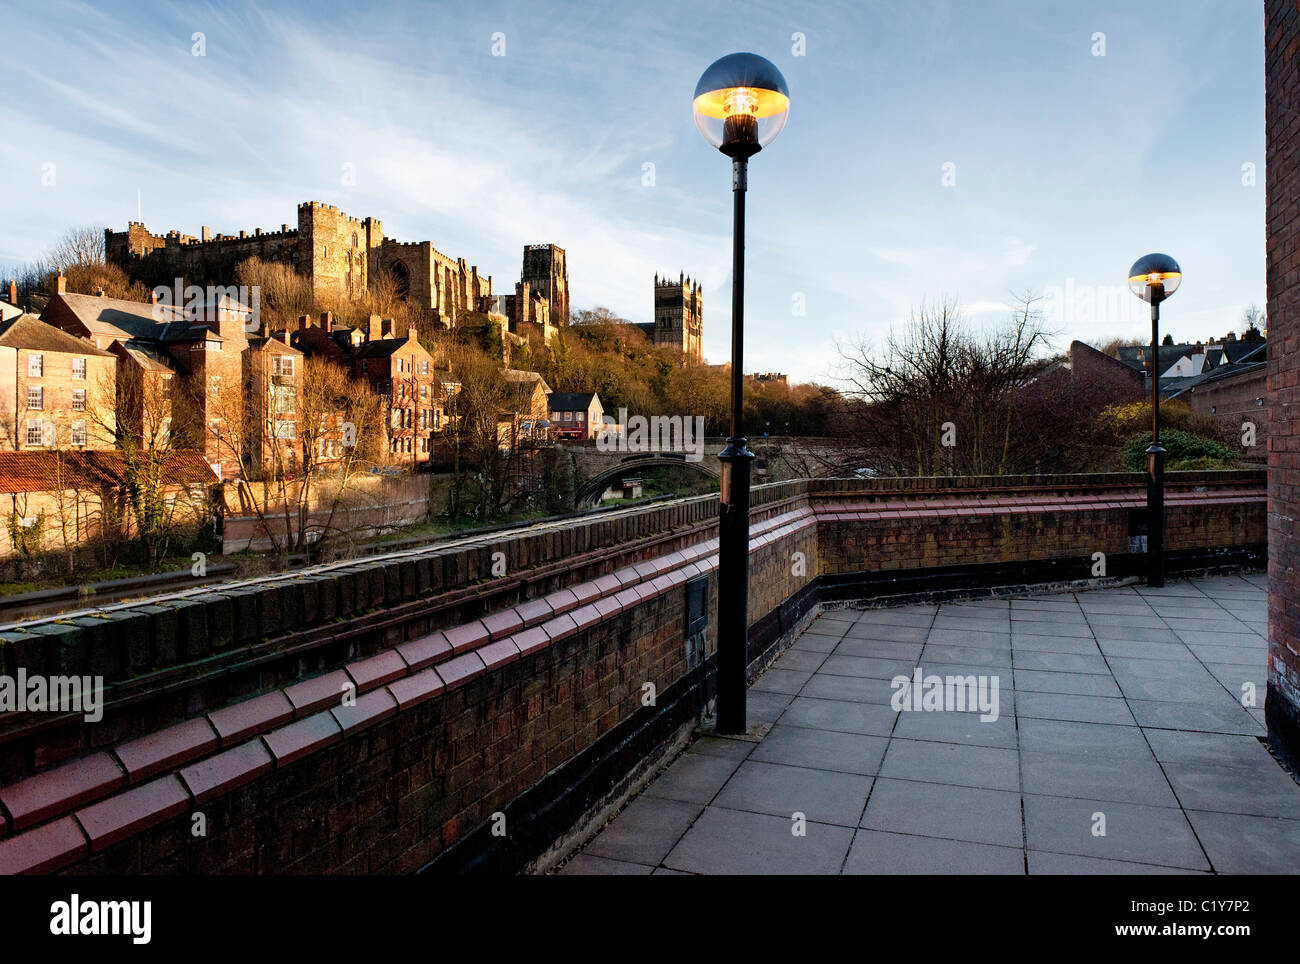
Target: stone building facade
(679, 317)
(341, 256)
(546, 274)
(51, 385)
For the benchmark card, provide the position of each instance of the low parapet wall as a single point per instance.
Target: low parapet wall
(375, 716)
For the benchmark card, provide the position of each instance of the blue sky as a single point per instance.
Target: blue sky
(1068, 165)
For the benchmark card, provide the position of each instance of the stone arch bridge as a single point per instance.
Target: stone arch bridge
(776, 459)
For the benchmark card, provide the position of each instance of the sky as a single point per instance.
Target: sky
(968, 150)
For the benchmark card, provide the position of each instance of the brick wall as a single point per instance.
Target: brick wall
(1282, 128)
(470, 686)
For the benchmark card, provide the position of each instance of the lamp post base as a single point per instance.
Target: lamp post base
(733, 585)
(1156, 515)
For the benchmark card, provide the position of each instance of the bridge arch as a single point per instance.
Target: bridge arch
(590, 491)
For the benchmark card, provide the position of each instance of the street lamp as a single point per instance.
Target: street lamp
(741, 104)
(1154, 278)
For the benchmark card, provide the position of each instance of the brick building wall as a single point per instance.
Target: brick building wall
(1282, 134)
(1237, 403)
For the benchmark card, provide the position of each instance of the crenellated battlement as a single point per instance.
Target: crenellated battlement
(333, 250)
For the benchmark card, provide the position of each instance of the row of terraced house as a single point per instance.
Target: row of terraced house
(73, 376)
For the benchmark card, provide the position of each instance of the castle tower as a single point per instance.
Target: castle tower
(679, 316)
(548, 276)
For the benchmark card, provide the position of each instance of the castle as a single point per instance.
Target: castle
(679, 317)
(343, 258)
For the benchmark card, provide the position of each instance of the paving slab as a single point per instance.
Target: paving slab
(822, 796)
(645, 830)
(937, 810)
(873, 719)
(1147, 835)
(821, 749)
(725, 841)
(878, 852)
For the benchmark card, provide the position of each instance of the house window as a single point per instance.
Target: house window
(214, 385)
(78, 399)
(284, 365)
(35, 435)
(425, 367)
(165, 387)
(36, 397)
(365, 367)
(79, 368)
(424, 391)
(284, 401)
(78, 433)
(35, 366)
(212, 345)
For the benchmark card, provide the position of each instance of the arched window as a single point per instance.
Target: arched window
(354, 239)
(325, 250)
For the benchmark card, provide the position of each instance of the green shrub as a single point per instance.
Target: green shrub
(1185, 451)
(1202, 463)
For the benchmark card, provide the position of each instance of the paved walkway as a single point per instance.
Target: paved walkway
(1121, 746)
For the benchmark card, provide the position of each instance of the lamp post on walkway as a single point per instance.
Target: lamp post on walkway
(1153, 278)
(741, 104)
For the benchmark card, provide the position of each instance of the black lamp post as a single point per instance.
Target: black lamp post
(1154, 278)
(741, 104)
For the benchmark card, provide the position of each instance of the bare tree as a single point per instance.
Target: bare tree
(137, 405)
(938, 398)
(78, 248)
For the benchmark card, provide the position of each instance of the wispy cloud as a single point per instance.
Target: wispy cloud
(1057, 175)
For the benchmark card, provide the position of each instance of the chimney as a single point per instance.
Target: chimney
(153, 297)
(61, 283)
(327, 320)
(373, 328)
(99, 292)
(412, 334)
(13, 292)
(285, 336)
(304, 321)
(387, 328)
